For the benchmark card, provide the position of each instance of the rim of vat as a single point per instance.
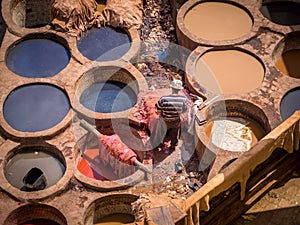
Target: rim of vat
(39, 35)
(10, 149)
(129, 56)
(98, 203)
(197, 53)
(134, 76)
(14, 134)
(31, 211)
(291, 41)
(107, 185)
(186, 7)
(256, 114)
(13, 27)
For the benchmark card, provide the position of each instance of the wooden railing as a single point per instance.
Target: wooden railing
(286, 136)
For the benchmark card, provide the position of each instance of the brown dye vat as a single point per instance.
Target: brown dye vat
(218, 21)
(288, 63)
(234, 133)
(115, 219)
(229, 72)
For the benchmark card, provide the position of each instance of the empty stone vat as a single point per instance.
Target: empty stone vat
(105, 43)
(290, 103)
(38, 56)
(286, 55)
(27, 13)
(225, 71)
(202, 22)
(281, 12)
(111, 209)
(35, 214)
(34, 168)
(35, 107)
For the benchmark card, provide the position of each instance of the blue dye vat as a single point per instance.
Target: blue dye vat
(290, 103)
(37, 58)
(108, 97)
(104, 44)
(282, 12)
(35, 107)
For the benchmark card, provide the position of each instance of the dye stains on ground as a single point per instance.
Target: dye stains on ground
(217, 21)
(289, 64)
(115, 219)
(107, 97)
(290, 103)
(40, 222)
(229, 72)
(234, 133)
(282, 12)
(104, 44)
(37, 58)
(21, 163)
(35, 107)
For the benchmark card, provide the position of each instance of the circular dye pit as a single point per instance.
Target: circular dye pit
(290, 103)
(35, 107)
(27, 14)
(18, 170)
(108, 97)
(112, 210)
(288, 63)
(282, 12)
(104, 44)
(96, 161)
(229, 71)
(35, 214)
(37, 58)
(217, 21)
(234, 133)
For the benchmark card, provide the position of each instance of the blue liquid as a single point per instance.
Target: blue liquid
(104, 44)
(108, 97)
(290, 103)
(35, 107)
(37, 58)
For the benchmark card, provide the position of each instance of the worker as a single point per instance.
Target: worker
(169, 108)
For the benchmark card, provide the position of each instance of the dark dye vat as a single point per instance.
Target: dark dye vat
(111, 96)
(40, 222)
(37, 58)
(104, 44)
(282, 12)
(20, 164)
(290, 103)
(35, 107)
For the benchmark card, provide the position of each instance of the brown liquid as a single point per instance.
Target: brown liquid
(229, 72)
(100, 7)
(116, 219)
(289, 64)
(217, 21)
(234, 133)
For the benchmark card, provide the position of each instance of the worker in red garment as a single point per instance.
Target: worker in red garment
(169, 108)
